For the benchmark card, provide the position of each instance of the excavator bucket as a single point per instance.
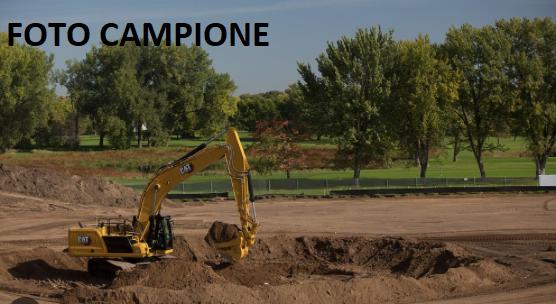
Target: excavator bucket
(228, 239)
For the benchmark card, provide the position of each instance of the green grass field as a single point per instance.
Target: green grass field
(512, 162)
(508, 164)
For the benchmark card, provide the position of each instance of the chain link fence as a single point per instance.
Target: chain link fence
(324, 186)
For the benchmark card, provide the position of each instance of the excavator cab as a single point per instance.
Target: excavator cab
(160, 235)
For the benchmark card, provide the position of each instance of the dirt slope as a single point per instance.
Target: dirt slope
(74, 189)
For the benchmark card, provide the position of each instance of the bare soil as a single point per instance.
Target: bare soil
(451, 249)
(281, 269)
(46, 183)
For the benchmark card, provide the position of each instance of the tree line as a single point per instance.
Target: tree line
(370, 94)
(373, 95)
(124, 94)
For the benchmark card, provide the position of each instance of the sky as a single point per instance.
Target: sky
(298, 30)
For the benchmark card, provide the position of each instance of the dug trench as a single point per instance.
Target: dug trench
(279, 269)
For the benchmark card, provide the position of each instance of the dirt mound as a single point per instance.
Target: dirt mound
(395, 255)
(280, 269)
(43, 272)
(169, 274)
(281, 259)
(283, 269)
(221, 232)
(73, 189)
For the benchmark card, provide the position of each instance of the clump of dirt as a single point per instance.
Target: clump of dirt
(221, 232)
(46, 183)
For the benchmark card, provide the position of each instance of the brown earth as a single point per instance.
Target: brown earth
(46, 183)
(460, 249)
(133, 162)
(280, 269)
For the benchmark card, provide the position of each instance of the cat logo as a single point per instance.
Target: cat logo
(187, 168)
(83, 239)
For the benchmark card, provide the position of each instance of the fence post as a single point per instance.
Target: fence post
(211, 187)
(297, 185)
(268, 188)
(386, 183)
(474, 181)
(416, 182)
(182, 188)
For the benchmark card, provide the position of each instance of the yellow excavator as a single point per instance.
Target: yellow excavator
(114, 243)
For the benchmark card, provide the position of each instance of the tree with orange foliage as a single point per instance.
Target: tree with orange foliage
(275, 148)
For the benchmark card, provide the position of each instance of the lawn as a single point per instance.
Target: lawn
(91, 142)
(126, 166)
(510, 163)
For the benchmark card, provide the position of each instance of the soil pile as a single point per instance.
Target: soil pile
(72, 189)
(43, 272)
(283, 269)
(361, 256)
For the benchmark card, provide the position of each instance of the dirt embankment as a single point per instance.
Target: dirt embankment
(280, 269)
(51, 184)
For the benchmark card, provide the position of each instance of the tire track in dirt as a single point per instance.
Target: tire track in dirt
(43, 228)
(543, 294)
(545, 204)
(495, 237)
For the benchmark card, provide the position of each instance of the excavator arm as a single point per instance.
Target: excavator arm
(193, 162)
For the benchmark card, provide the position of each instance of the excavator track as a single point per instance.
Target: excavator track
(106, 268)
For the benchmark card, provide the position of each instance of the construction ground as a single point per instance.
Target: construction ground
(495, 248)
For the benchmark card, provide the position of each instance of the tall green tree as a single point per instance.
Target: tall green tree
(187, 94)
(532, 73)
(421, 96)
(89, 85)
(25, 91)
(253, 108)
(218, 104)
(352, 90)
(59, 129)
(296, 112)
(187, 71)
(479, 55)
